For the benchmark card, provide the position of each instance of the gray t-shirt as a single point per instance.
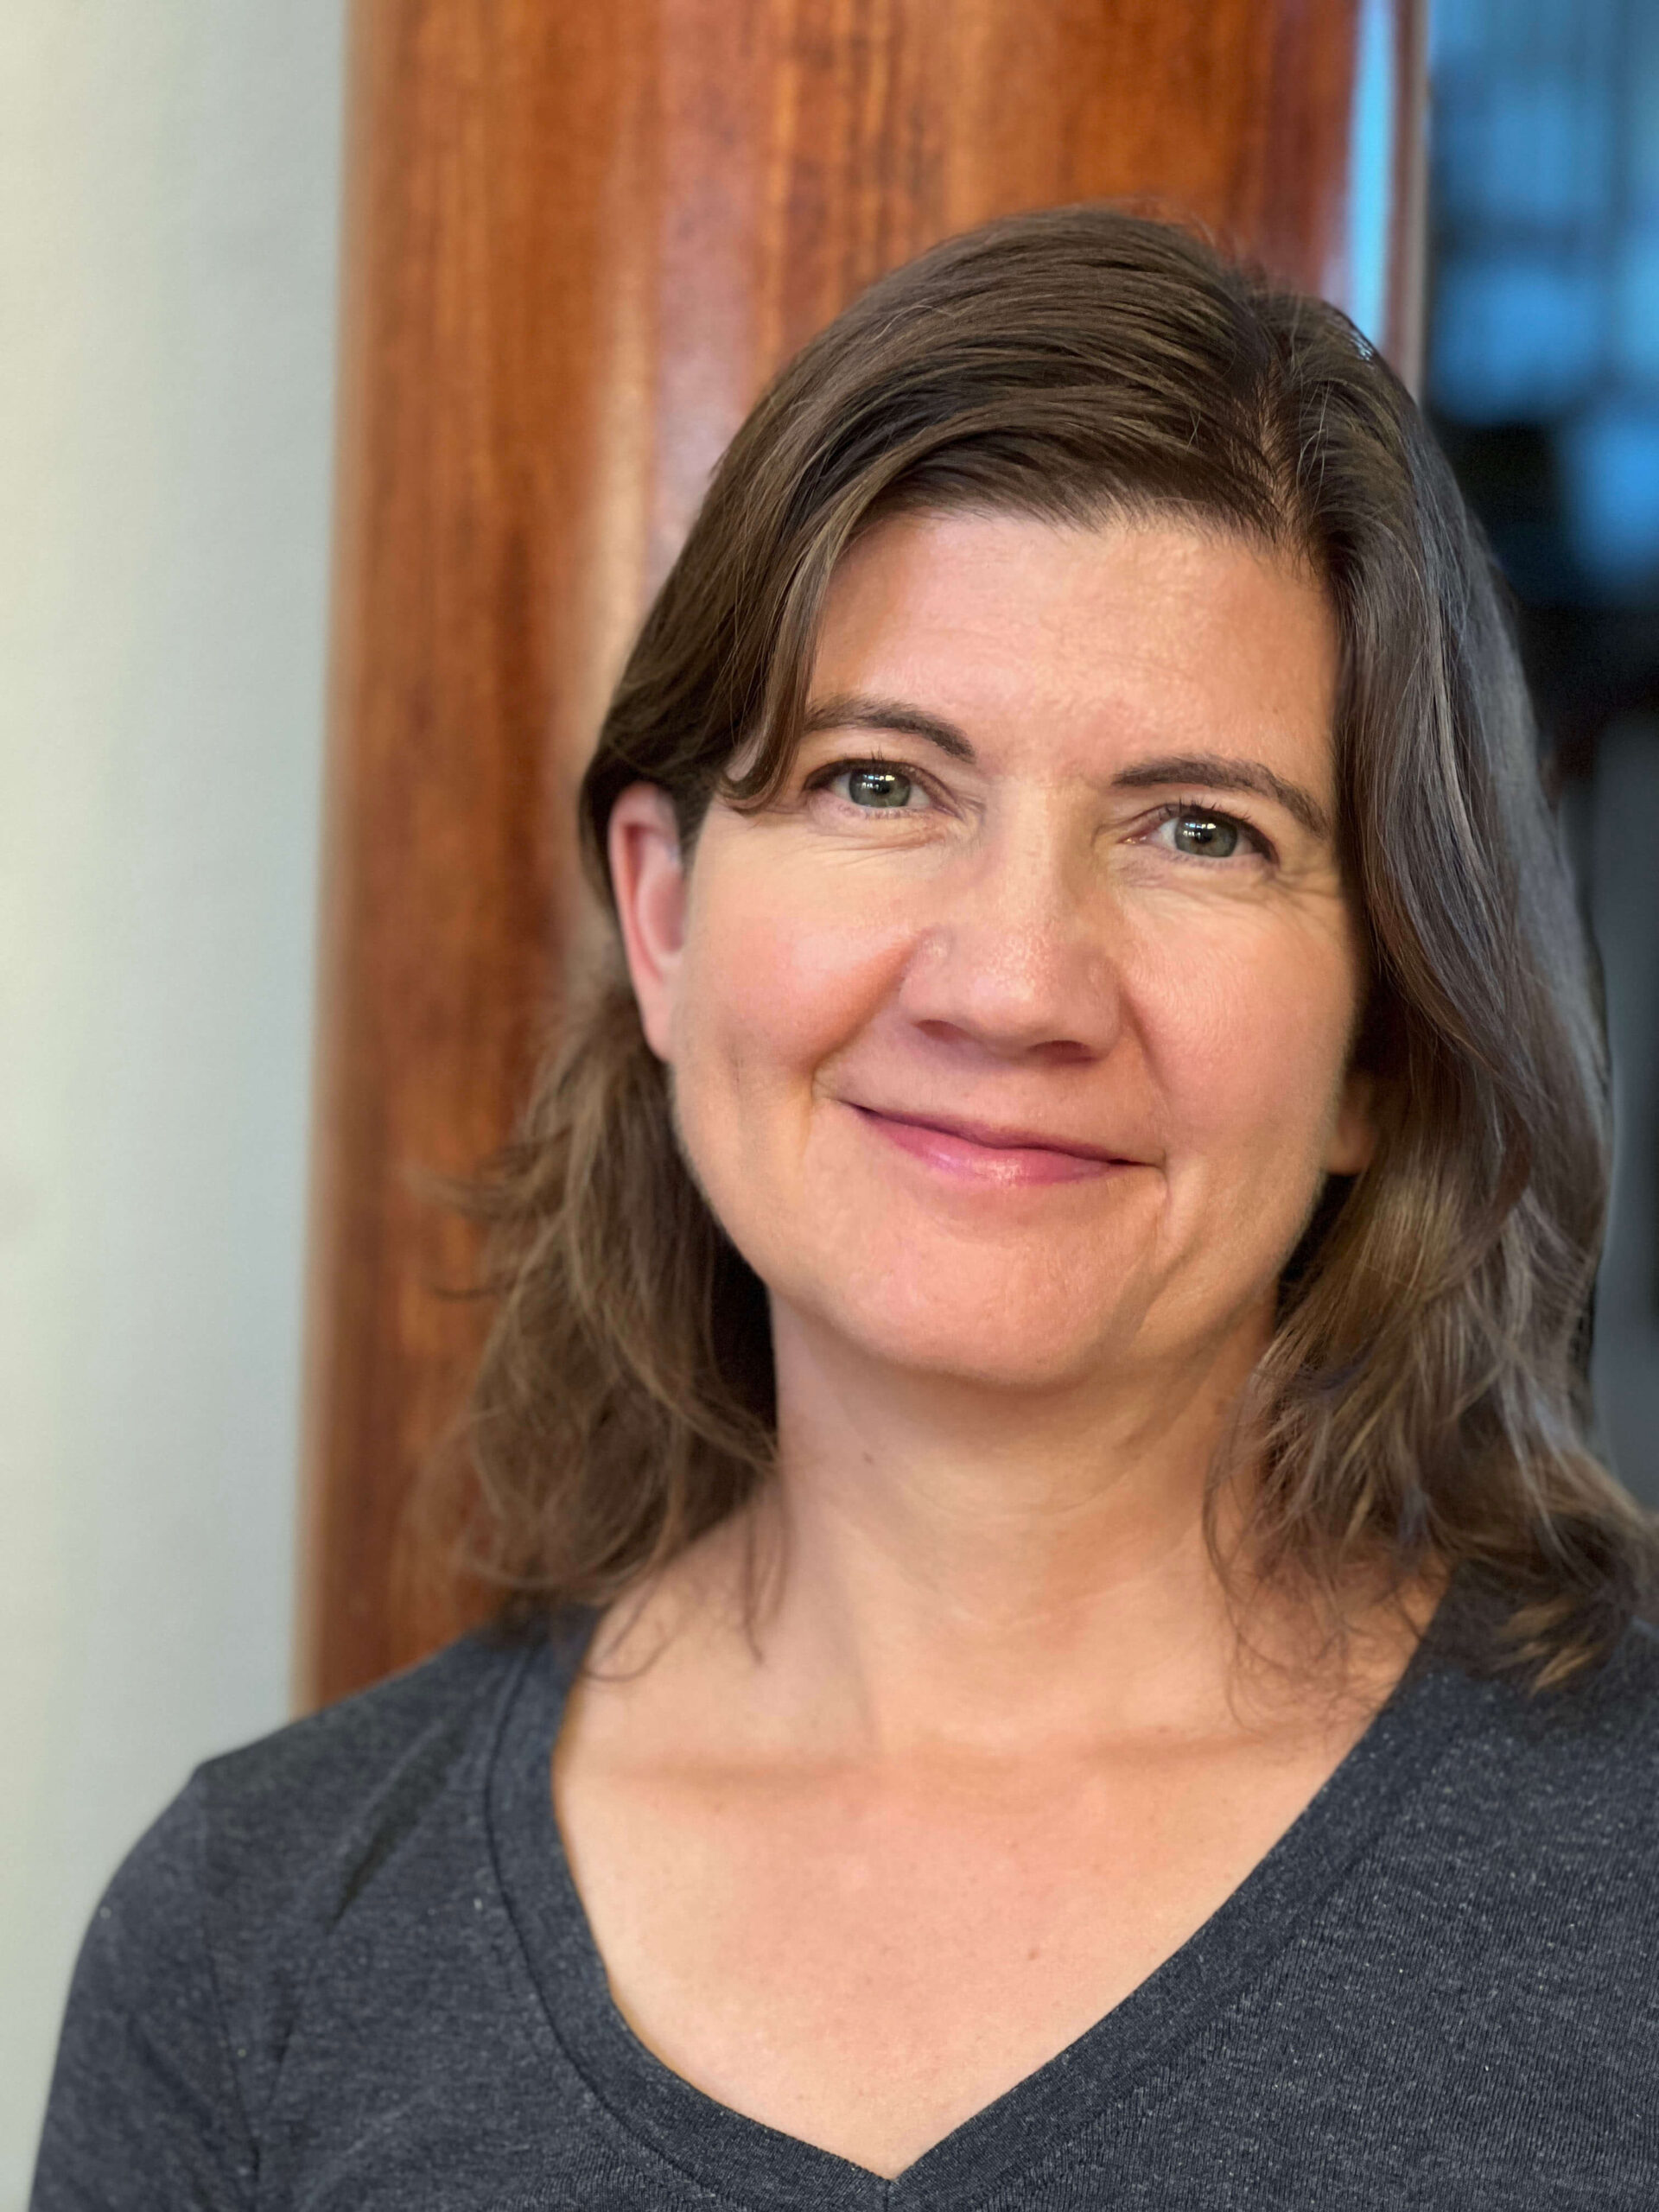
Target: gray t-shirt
(348, 1971)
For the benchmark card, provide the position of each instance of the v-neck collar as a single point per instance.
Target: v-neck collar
(1111, 2063)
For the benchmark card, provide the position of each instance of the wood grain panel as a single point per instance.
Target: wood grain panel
(579, 236)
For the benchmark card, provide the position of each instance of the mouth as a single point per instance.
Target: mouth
(984, 1152)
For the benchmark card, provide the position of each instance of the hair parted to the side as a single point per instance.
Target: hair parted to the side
(1422, 1405)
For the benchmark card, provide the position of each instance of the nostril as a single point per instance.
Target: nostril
(1047, 1051)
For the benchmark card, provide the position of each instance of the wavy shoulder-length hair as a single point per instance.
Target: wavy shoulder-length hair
(1421, 1406)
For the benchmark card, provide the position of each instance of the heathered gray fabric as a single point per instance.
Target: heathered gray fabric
(348, 1969)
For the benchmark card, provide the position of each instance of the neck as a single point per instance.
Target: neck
(942, 1563)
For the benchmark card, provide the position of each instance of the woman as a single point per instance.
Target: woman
(1039, 1393)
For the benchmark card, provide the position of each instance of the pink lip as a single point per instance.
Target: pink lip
(986, 1154)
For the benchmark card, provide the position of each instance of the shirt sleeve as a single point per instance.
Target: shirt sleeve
(145, 2111)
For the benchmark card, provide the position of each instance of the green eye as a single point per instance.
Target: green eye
(876, 786)
(1210, 837)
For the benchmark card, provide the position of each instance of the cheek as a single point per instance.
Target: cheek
(775, 982)
(1249, 1037)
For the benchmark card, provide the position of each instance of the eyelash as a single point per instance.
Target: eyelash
(1175, 810)
(821, 778)
(1187, 809)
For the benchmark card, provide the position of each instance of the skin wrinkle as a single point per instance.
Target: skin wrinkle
(1218, 772)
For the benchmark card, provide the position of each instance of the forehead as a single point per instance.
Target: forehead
(1074, 646)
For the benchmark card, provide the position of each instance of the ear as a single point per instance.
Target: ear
(648, 877)
(1353, 1133)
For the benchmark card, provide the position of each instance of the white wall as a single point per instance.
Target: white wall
(169, 190)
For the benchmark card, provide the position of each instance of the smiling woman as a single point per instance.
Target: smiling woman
(1075, 527)
(1062, 1640)
(1024, 946)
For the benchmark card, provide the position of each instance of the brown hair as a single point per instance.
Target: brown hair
(1422, 1405)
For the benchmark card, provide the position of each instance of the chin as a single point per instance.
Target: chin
(998, 1335)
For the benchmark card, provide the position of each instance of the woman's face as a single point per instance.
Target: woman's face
(1011, 1042)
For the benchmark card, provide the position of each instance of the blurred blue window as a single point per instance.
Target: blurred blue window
(1528, 149)
(1544, 127)
(1609, 478)
(1516, 334)
(1635, 304)
(1543, 383)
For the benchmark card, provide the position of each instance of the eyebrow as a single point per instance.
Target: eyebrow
(1218, 772)
(853, 710)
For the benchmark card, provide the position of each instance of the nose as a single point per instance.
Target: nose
(1016, 958)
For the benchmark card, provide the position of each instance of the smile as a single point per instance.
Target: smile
(976, 1151)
